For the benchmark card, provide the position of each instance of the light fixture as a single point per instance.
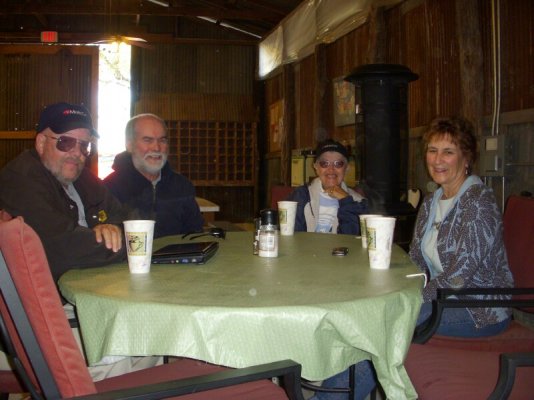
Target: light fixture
(226, 25)
(159, 3)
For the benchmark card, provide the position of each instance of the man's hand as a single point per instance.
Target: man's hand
(110, 234)
(337, 192)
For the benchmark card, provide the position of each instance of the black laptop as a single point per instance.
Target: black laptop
(185, 253)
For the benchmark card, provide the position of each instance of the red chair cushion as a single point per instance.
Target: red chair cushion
(9, 383)
(27, 263)
(518, 225)
(28, 266)
(445, 373)
(8, 380)
(279, 193)
(517, 338)
(186, 368)
(5, 216)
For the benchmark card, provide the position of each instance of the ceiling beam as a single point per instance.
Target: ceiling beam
(91, 38)
(135, 8)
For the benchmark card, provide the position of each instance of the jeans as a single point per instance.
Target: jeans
(454, 322)
(458, 322)
(365, 382)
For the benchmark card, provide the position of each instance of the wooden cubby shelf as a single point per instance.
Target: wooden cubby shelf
(213, 153)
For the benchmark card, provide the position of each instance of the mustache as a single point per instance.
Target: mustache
(154, 154)
(77, 160)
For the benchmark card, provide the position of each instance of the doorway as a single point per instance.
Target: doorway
(113, 102)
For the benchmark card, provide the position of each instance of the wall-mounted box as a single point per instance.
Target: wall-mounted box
(302, 170)
(350, 176)
(492, 155)
(297, 169)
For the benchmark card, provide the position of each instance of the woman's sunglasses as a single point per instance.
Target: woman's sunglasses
(337, 164)
(67, 143)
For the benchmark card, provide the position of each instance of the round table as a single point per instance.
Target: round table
(325, 312)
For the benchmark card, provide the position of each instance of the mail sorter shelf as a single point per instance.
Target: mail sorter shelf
(212, 153)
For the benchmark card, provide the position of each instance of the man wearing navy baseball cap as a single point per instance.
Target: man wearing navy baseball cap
(77, 218)
(63, 117)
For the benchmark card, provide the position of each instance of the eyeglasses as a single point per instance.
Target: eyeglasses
(337, 164)
(67, 143)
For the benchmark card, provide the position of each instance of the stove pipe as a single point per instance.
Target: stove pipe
(381, 97)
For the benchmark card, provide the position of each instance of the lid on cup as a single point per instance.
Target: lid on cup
(269, 216)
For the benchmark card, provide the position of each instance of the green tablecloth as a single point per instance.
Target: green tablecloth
(322, 311)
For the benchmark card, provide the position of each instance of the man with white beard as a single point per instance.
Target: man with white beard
(143, 179)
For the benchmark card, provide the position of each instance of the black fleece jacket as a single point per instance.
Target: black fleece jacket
(29, 190)
(171, 203)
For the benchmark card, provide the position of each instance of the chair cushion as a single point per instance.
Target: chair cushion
(186, 368)
(27, 263)
(518, 225)
(517, 338)
(5, 216)
(278, 193)
(9, 382)
(445, 373)
(28, 266)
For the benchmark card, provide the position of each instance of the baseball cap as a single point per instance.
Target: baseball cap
(64, 117)
(331, 145)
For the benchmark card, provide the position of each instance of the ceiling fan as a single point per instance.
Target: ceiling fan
(130, 40)
(116, 38)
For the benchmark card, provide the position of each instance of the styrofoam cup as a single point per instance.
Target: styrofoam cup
(139, 235)
(380, 240)
(287, 211)
(363, 229)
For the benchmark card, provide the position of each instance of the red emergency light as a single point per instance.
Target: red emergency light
(49, 37)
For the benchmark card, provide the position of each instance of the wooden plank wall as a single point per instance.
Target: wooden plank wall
(448, 43)
(34, 76)
(203, 82)
(12, 144)
(218, 80)
(199, 106)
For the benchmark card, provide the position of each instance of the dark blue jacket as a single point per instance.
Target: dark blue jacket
(347, 214)
(171, 203)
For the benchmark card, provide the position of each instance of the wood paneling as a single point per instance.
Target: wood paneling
(517, 54)
(198, 107)
(32, 77)
(428, 36)
(194, 69)
(206, 85)
(10, 148)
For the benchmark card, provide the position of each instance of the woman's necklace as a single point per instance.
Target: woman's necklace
(443, 207)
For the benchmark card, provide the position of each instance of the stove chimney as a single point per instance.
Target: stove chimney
(381, 97)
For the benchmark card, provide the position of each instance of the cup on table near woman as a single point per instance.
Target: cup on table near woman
(379, 234)
(139, 235)
(287, 210)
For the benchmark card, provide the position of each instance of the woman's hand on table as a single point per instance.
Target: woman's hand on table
(110, 234)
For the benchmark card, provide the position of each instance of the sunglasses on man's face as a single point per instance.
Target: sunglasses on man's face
(337, 164)
(67, 143)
